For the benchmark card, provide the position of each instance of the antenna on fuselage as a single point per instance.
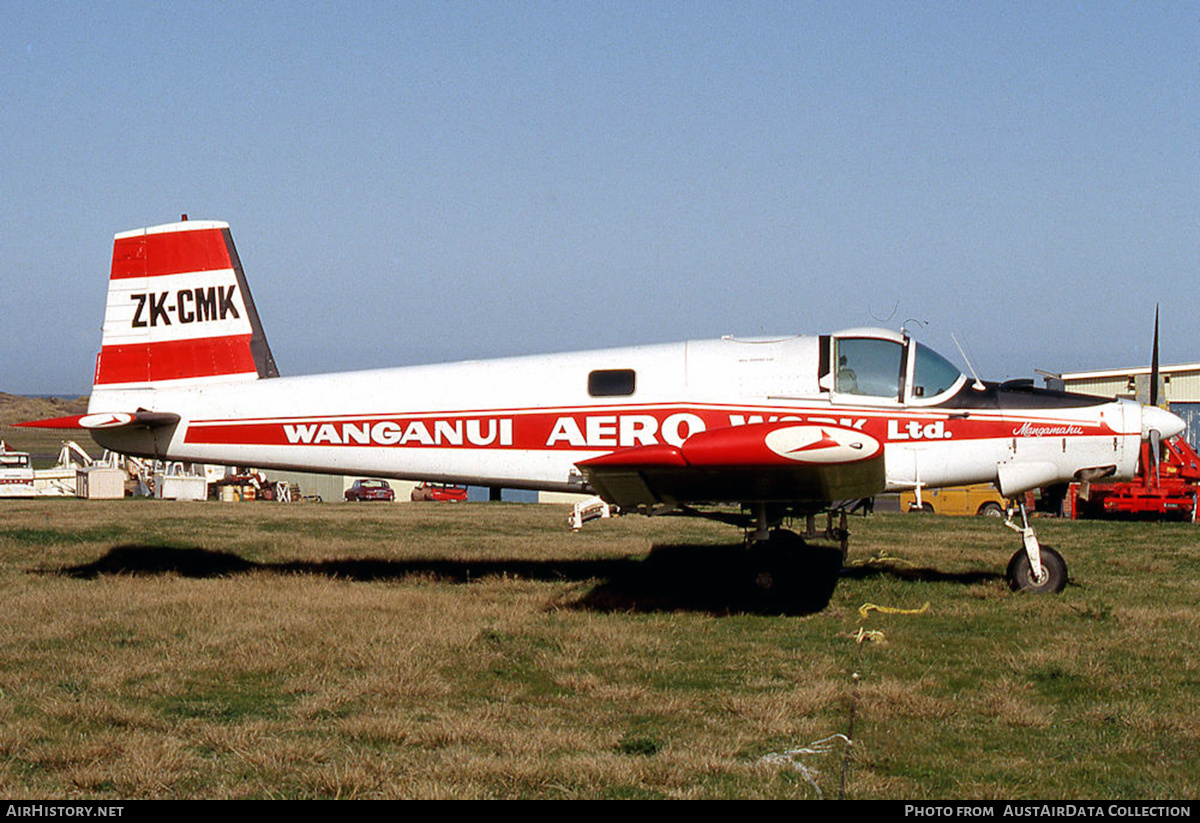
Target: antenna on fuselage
(978, 385)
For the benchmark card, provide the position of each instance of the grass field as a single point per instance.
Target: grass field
(164, 650)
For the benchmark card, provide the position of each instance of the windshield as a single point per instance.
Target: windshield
(869, 366)
(932, 373)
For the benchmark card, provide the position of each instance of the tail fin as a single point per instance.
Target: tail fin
(179, 311)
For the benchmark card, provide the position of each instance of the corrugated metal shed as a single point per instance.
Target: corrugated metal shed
(1180, 389)
(1181, 383)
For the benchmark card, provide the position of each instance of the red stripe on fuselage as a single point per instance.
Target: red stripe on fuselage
(152, 255)
(602, 428)
(175, 360)
(736, 413)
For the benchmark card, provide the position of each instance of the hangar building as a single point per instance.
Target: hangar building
(1180, 389)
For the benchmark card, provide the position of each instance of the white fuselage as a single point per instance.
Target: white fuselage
(526, 422)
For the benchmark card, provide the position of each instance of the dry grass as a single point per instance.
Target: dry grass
(154, 649)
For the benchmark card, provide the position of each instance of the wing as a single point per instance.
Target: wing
(774, 462)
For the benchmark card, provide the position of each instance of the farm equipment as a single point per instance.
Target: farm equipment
(1167, 486)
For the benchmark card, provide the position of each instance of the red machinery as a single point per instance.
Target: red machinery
(1169, 489)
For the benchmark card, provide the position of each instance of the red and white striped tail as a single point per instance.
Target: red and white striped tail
(179, 310)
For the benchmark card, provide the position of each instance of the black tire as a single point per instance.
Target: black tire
(991, 509)
(924, 508)
(788, 576)
(1020, 573)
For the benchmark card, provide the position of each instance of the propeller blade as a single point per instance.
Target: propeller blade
(1155, 439)
(1154, 363)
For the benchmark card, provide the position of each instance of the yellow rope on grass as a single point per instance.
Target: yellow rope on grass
(869, 607)
(881, 557)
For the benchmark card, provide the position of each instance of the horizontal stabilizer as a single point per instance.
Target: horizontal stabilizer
(107, 420)
(142, 433)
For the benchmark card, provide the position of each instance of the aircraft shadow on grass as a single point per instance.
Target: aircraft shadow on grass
(918, 574)
(720, 579)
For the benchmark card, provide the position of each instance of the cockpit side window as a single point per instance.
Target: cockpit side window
(932, 373)
(868, 366)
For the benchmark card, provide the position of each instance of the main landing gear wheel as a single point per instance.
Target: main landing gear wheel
(773, 561)
(1020, 573)
(789, 576)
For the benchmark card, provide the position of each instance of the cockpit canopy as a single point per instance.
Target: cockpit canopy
(876, 365)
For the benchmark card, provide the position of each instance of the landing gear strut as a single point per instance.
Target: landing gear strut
(1035, 568)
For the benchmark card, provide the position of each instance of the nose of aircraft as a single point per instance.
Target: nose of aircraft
(1160, 420)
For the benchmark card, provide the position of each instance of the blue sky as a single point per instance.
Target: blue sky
(425, 182)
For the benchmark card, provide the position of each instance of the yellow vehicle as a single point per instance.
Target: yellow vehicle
(981, 498)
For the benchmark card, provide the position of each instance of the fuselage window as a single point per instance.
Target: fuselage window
(611, 382)
(869, 367)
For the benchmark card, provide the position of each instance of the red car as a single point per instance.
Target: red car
(370, 490)
(442, 492)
